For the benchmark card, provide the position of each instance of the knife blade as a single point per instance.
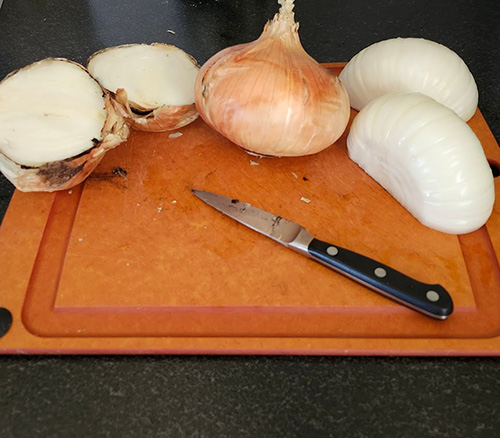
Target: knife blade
(429, 299)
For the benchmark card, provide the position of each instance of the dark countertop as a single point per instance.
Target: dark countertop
(203, 396)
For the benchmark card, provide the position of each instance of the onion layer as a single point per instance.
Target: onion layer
(152, 84)
(55, 125)
(269, 96)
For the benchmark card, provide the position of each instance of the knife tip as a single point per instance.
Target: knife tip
(197, 192)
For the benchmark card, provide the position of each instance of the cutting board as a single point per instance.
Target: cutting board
(131, 262)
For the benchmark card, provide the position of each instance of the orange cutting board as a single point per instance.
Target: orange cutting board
(131, 262)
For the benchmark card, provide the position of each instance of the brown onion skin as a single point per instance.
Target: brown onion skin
(243, 92)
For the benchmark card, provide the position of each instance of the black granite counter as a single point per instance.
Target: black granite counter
(204, 396)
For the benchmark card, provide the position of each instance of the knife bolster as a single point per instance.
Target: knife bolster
(301, 242)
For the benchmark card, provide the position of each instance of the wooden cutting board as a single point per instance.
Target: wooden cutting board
(131, 262)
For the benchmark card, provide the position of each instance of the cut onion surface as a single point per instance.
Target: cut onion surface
(152, 84)
(56, 124)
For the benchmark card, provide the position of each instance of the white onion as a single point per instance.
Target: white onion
(55, 125)
(427, 158)
(412, 65)
(153, 85)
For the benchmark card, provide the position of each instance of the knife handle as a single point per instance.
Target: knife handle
(430, 299)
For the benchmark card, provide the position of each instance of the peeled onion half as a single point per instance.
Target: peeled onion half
(412, 65)
(152, 85)
(55, 125)
(427, 158)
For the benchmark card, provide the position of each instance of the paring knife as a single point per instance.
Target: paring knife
(429, 299)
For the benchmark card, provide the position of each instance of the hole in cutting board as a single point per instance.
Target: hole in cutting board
(5, 321)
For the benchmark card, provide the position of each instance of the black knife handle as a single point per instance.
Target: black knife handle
(430, 299)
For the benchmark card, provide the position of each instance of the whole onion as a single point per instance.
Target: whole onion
(269, 96)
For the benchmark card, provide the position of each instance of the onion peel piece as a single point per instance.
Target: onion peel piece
(164, 118)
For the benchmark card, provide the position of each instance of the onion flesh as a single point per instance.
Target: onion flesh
(427, 158)
(152, 84)
(411, 65)
(269, 96)
(55, 125)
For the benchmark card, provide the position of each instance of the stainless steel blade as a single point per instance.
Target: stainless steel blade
(273, 226)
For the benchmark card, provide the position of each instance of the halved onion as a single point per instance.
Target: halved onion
(152, 84)
(55, 125)
(413, 65)
(427, 158)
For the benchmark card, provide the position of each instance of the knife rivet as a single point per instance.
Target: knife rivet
(380, 272)
(331, 250)
(432, 295)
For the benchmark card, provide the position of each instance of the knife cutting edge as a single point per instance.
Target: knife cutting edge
(429, 299)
